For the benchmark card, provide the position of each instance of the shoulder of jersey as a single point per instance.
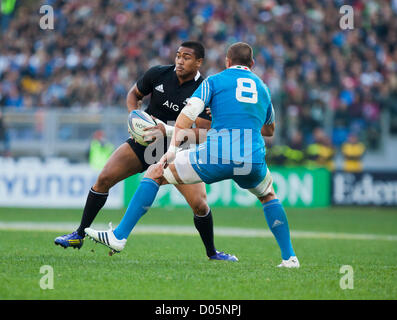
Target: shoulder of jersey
(214, 78)
(163, 68)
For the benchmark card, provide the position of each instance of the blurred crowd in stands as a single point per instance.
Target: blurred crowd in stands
(326, 83)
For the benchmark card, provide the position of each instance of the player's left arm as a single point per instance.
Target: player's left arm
(268, 130)
(187, 117)
(183, 126)
(196, 135)
(202, 127)
(194, 112)
(270, 123)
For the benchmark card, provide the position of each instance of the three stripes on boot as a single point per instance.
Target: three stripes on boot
(103, 237)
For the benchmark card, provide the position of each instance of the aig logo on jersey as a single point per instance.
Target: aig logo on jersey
(173, 106)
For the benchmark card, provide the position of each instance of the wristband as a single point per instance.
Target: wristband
(169, 130)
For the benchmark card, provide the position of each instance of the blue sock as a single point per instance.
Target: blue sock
(139, 204)
(278, 224)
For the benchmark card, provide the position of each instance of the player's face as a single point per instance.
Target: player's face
(186, 63)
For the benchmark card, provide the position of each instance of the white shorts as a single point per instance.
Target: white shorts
(184, 169)
(188, 175)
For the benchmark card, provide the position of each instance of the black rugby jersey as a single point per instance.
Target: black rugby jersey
(168, 96)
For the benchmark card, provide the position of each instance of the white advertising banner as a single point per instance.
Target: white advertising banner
(50, 184)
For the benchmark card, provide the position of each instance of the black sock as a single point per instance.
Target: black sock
(205, 227)
(95, 202)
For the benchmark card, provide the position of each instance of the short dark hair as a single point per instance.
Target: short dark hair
(240, 53)
(198, 48)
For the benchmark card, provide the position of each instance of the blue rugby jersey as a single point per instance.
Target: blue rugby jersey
(240, 105)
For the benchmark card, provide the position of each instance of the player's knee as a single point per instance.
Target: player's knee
(154, 172)
(200, 206)
(268, 197)
(104, 182)
(150, 172)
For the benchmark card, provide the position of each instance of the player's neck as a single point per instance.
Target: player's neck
(237, 66)
(189, 77)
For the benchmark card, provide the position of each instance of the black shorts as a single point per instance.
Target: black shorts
(148, 155)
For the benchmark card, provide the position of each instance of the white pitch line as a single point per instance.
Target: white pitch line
(190, 230)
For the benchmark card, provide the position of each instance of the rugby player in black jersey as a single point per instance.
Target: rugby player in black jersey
(170, 87)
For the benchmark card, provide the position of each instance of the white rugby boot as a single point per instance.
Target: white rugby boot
(106, 238)
(292, 262)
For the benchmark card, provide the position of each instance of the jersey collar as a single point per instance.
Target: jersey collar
(197, 76)
(240, 67)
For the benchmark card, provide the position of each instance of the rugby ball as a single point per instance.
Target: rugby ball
(137, 121)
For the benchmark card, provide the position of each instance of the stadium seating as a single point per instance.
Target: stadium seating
(319, 75)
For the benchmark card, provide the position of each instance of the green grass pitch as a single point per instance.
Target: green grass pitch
(174, 266)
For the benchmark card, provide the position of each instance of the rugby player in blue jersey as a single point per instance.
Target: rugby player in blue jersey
(242, 113)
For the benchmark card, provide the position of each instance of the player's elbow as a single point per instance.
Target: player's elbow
(268, 130)
(133, 97)
(131, 100)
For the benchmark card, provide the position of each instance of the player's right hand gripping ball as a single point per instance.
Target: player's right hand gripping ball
(137, 121)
